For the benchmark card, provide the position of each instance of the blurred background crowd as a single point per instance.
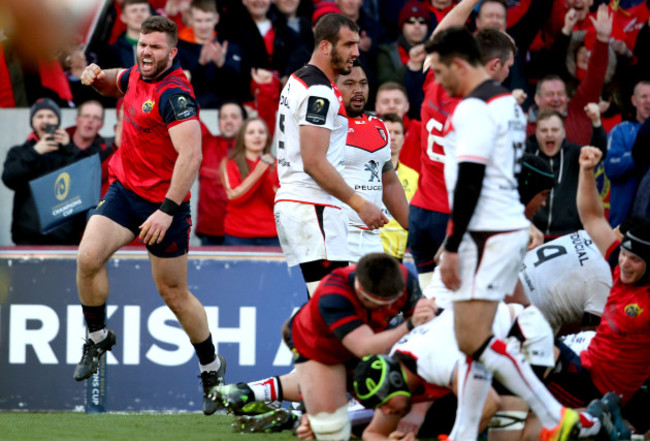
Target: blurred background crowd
(581, 73)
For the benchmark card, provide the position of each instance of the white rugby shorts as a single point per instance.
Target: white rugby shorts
(362, 242)
(489, 268)
(578, 342)
(309, 232)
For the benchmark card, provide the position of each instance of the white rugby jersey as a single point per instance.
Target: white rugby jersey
(367, 151)
(488, 127)
(565, 278)
(309, 98)
(434, 346)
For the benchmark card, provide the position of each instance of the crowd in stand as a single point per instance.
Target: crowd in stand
(581, 72)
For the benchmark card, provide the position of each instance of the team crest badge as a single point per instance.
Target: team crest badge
(382, 132)
(148, 106)
(633, 310)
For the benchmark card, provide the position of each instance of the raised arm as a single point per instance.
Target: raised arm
(590, 208)
(457, 16)
(103, 81)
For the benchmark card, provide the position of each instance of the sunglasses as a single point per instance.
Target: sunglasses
(414, 20)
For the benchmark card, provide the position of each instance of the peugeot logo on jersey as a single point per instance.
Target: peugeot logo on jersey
(373, 168)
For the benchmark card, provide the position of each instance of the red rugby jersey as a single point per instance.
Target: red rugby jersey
(145, 161)
(436, 108)
(618, 356)
(334, 310)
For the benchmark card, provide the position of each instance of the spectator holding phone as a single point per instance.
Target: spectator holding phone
(47, 148)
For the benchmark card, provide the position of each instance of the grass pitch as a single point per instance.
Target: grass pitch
(73, 426)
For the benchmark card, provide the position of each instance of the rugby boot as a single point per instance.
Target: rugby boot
(274, 421)
(239, 399)
(599, 410)
(613, 403)
(567, 429)
(92, 352)
(209, 380)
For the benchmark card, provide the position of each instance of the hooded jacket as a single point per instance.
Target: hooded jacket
(560, 215)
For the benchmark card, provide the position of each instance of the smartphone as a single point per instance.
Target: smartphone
(50, 129)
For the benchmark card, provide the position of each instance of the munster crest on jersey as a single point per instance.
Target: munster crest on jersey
(633, 310)
(148, 106)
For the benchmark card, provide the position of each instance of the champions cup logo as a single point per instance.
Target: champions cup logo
(633, 310)
(318, 106)
(148, 106)
(62, 186)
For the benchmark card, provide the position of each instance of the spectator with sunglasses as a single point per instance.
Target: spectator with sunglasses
(407, 53)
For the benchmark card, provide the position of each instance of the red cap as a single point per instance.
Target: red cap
(324, 8)
(413, 8)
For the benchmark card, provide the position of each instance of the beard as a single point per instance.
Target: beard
(339, 63)
(355, 111)
(159, 67)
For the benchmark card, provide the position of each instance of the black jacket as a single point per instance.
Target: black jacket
(24, 164)
(560, 215)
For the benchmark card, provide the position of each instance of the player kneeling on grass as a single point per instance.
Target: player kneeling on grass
(346, 319)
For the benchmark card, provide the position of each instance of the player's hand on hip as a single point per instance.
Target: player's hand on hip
(154, 228)
(91, 74)
(449, 270)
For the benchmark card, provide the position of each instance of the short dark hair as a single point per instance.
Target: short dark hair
(328, 27)
(156, 23)
(549, 113)
(492, 43)
(503, 3)
(549, 77)
(381, 275)
(204, 5)
(134, 2)
(455, 42)
(392, 117)
(82, 105)
(244, 113)
(392, 85)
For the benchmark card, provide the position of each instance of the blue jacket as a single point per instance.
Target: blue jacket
(619, 168)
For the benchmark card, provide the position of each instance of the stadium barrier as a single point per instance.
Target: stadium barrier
(247, 294)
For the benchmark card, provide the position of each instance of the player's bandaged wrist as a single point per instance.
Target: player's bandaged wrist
(356, 202)
(169, 207)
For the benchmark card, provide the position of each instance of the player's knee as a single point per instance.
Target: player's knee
(88, 261)
(334, 426)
